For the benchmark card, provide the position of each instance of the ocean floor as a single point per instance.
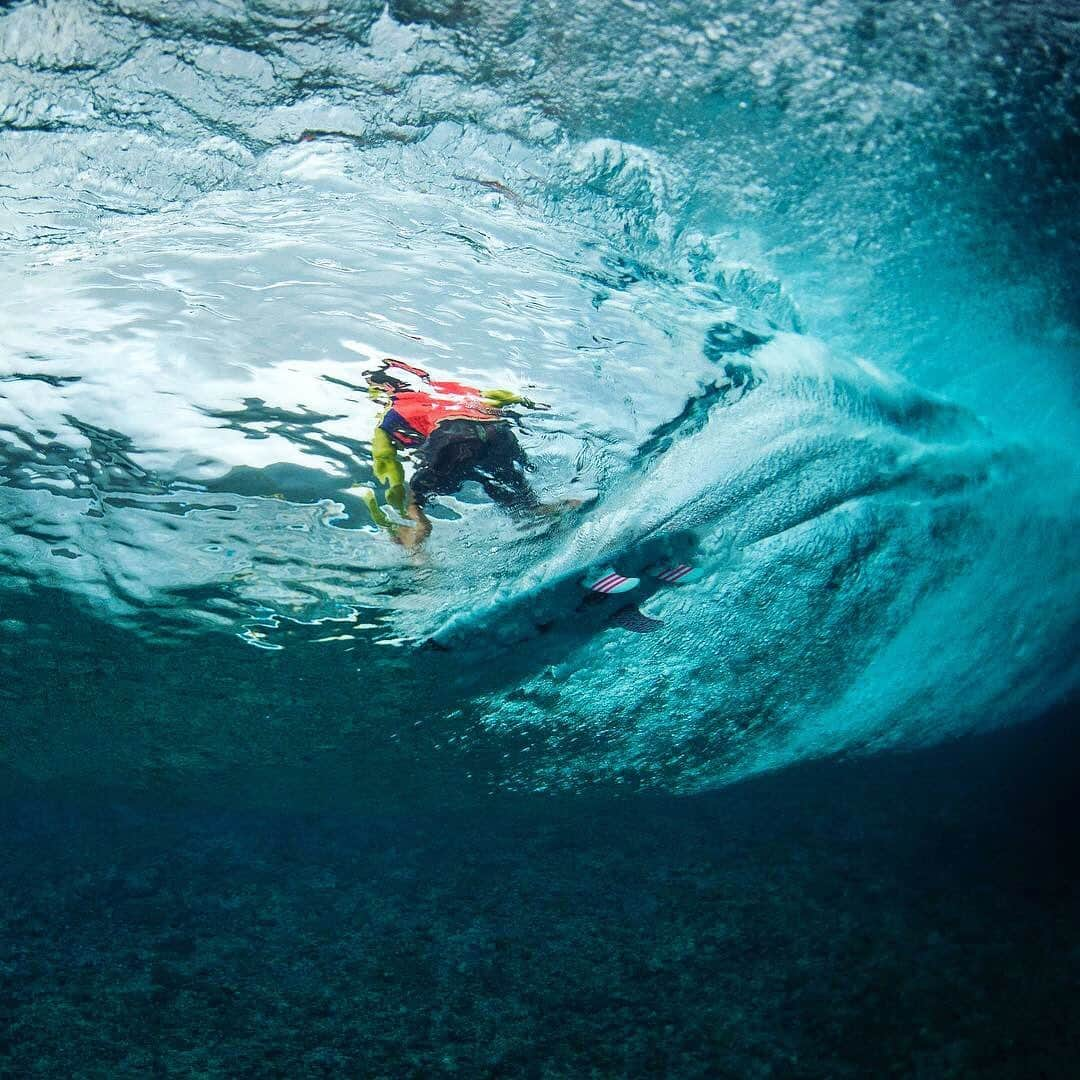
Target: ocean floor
(912, 915)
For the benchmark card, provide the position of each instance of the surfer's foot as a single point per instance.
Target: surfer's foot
(610, 583)
(563, 506)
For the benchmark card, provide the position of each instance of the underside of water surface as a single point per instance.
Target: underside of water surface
(795, 281)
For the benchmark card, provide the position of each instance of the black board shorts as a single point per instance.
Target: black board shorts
(485, 451)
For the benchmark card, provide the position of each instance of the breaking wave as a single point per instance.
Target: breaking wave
(797, 284)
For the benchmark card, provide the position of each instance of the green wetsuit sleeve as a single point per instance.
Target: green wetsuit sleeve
(388, 469)
(501, 398)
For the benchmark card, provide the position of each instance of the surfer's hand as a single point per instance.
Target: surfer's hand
(539, 405)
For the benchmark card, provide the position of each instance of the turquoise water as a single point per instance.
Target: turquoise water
(216, 216)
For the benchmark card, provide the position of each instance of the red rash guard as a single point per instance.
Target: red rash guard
(424, 410)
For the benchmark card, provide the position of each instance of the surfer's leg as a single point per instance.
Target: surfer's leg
(500, 467)
(502, 475)
(561, 506)
(446, 460)
(412, 536)
(511, 493)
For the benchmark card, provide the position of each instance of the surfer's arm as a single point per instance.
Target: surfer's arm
(499, 399)
(388, 469)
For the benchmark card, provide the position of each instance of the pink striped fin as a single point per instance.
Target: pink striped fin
(673, 573)
(606, 584)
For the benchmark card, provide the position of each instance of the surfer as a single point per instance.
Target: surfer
(454, 433)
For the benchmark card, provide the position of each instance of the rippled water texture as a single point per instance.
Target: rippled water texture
(215, 216)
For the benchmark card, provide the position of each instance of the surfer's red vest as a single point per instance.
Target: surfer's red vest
(423, 410)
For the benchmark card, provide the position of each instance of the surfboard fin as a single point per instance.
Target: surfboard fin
(610, 583)
(630, 618)
(676, 573)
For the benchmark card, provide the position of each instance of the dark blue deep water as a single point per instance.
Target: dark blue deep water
(796, 284)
